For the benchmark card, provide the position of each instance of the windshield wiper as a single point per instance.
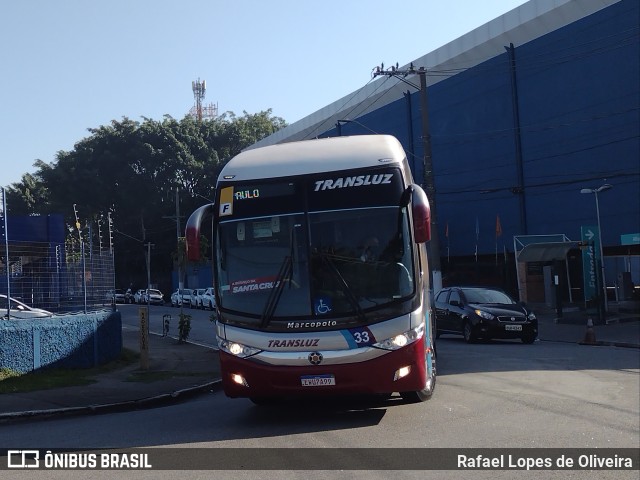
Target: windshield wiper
(343, 283)
(276, 292)
(286, 271)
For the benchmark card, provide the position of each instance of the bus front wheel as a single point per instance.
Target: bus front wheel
(426, 393)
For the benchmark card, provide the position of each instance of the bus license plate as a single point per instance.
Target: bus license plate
(513, 328)
(317, 380)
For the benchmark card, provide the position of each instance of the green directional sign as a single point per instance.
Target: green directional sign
(590, 259)
(630, 239)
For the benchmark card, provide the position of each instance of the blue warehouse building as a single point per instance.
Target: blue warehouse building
(526, 114)
(35, 245)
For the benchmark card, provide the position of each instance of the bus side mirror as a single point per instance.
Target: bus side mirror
(421, 214)
(192, 231)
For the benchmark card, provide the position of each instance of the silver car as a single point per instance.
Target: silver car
(21, 311)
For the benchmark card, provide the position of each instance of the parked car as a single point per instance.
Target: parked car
(20, 311)
(196, 298)
(138, 297)
(153, 297)
(208, 299)
(181, 297)
(115, 296)
(128, 296)
(483, 313)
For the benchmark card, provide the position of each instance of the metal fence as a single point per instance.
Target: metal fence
(57, 277)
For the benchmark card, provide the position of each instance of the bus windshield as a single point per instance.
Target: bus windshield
(331, 264)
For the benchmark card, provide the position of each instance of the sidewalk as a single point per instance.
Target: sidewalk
(178, 371)
(620, 327)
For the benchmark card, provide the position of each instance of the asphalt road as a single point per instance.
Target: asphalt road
(495, 395)
(202, 328)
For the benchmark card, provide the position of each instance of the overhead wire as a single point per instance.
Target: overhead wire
(317, 130)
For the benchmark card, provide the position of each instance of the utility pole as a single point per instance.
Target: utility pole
(428, 179)
(519, 189)
(6, 250)
(177, 219)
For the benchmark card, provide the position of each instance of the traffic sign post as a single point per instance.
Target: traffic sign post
(591, 262)
(143, 314)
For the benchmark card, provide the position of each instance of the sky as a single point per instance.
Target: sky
(73, 65)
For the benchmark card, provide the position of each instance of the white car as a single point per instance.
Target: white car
(138, 297)
(181, 297)
(21, 311)
(116, 296)
(208, 299)
(153, 297)
(196, 298)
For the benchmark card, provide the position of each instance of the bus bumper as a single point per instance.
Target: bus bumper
(401, 370)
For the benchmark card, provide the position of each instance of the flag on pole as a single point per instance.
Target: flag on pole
(446, 234)
(498, 233)
(477, 237)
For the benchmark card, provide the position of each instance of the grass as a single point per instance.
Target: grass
(15, 382)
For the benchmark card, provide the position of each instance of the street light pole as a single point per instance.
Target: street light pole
(595, 192)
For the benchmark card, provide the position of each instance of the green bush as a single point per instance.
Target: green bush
(184, 327)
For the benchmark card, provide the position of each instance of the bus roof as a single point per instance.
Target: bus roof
(314, 156)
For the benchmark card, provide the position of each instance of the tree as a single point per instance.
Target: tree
(131, 169)
(28, 196)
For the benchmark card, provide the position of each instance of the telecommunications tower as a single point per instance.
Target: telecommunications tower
(200, 111)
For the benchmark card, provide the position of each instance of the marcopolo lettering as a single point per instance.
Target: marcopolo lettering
(355, 181)
(326, 323)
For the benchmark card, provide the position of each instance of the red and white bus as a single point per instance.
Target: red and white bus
(321, 275)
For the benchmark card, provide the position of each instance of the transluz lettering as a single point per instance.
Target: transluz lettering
(355, 181)
(295, 342)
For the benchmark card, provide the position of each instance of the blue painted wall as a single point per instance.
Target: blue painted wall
(579, 109)
(78, 341)
(41, 239)
(41, 228)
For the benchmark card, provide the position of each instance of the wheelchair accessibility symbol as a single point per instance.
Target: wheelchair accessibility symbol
(322, 306)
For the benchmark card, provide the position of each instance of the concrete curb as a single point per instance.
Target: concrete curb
(599, 343)
(610, 344)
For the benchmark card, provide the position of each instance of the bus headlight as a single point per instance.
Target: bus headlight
(401, 340)
(236, 349)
